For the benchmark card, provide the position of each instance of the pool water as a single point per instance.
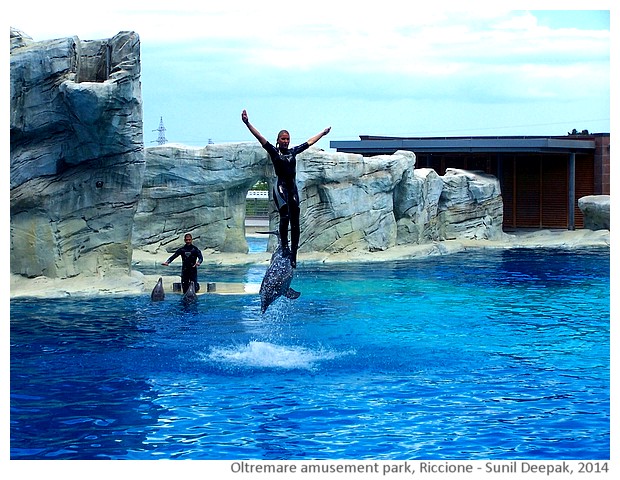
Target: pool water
(257, 243)
(488, 355)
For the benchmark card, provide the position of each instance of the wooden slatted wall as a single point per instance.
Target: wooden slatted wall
(554, 191)
(534, 186)
(527, 191)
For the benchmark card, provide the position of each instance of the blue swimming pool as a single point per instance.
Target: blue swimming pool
(478, 355)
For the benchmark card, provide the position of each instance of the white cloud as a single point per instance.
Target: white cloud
(366, 37)
(206, 53)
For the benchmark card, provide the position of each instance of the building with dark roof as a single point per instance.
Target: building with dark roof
(541, 177)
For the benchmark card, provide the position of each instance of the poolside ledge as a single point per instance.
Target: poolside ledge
(137, 283)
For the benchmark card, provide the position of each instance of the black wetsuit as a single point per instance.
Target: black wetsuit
(285, 193)
(189, 273)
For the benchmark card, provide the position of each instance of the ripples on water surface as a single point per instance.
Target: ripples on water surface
(494, 355)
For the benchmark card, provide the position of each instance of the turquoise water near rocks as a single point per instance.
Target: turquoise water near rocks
(477, 355)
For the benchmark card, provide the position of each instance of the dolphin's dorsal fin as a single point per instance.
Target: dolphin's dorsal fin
(292, 294)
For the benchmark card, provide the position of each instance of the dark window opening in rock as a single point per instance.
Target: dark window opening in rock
(94, 62)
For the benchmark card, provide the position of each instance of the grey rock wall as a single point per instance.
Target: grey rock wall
(77, 159)
(199, 191)
(348, 202)
(470, 206)
(596, 211)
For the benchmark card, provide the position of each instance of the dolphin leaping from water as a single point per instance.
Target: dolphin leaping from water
(277, 280)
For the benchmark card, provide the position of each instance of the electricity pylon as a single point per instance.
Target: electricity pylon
(161, 138)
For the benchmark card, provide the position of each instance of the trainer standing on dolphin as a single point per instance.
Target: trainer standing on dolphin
(285, 192)
(192, 258)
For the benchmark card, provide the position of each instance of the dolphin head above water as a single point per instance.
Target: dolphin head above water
(158, 294)
(190, 295)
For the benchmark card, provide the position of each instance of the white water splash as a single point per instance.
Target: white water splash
(268, 355)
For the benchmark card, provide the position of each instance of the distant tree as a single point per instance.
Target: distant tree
(575, 132)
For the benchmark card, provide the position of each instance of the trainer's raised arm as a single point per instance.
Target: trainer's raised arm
(252, 129)
(318, 136)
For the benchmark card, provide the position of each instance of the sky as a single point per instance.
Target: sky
(364, 68)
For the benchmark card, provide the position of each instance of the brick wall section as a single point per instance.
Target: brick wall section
(602, 165)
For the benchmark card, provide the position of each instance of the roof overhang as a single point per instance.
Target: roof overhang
(384, 145)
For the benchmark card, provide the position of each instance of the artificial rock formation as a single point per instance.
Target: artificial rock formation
(85, 192)
(596, 211)
(470, 206)
(348, 202)
(77, 159)
(199, 191)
